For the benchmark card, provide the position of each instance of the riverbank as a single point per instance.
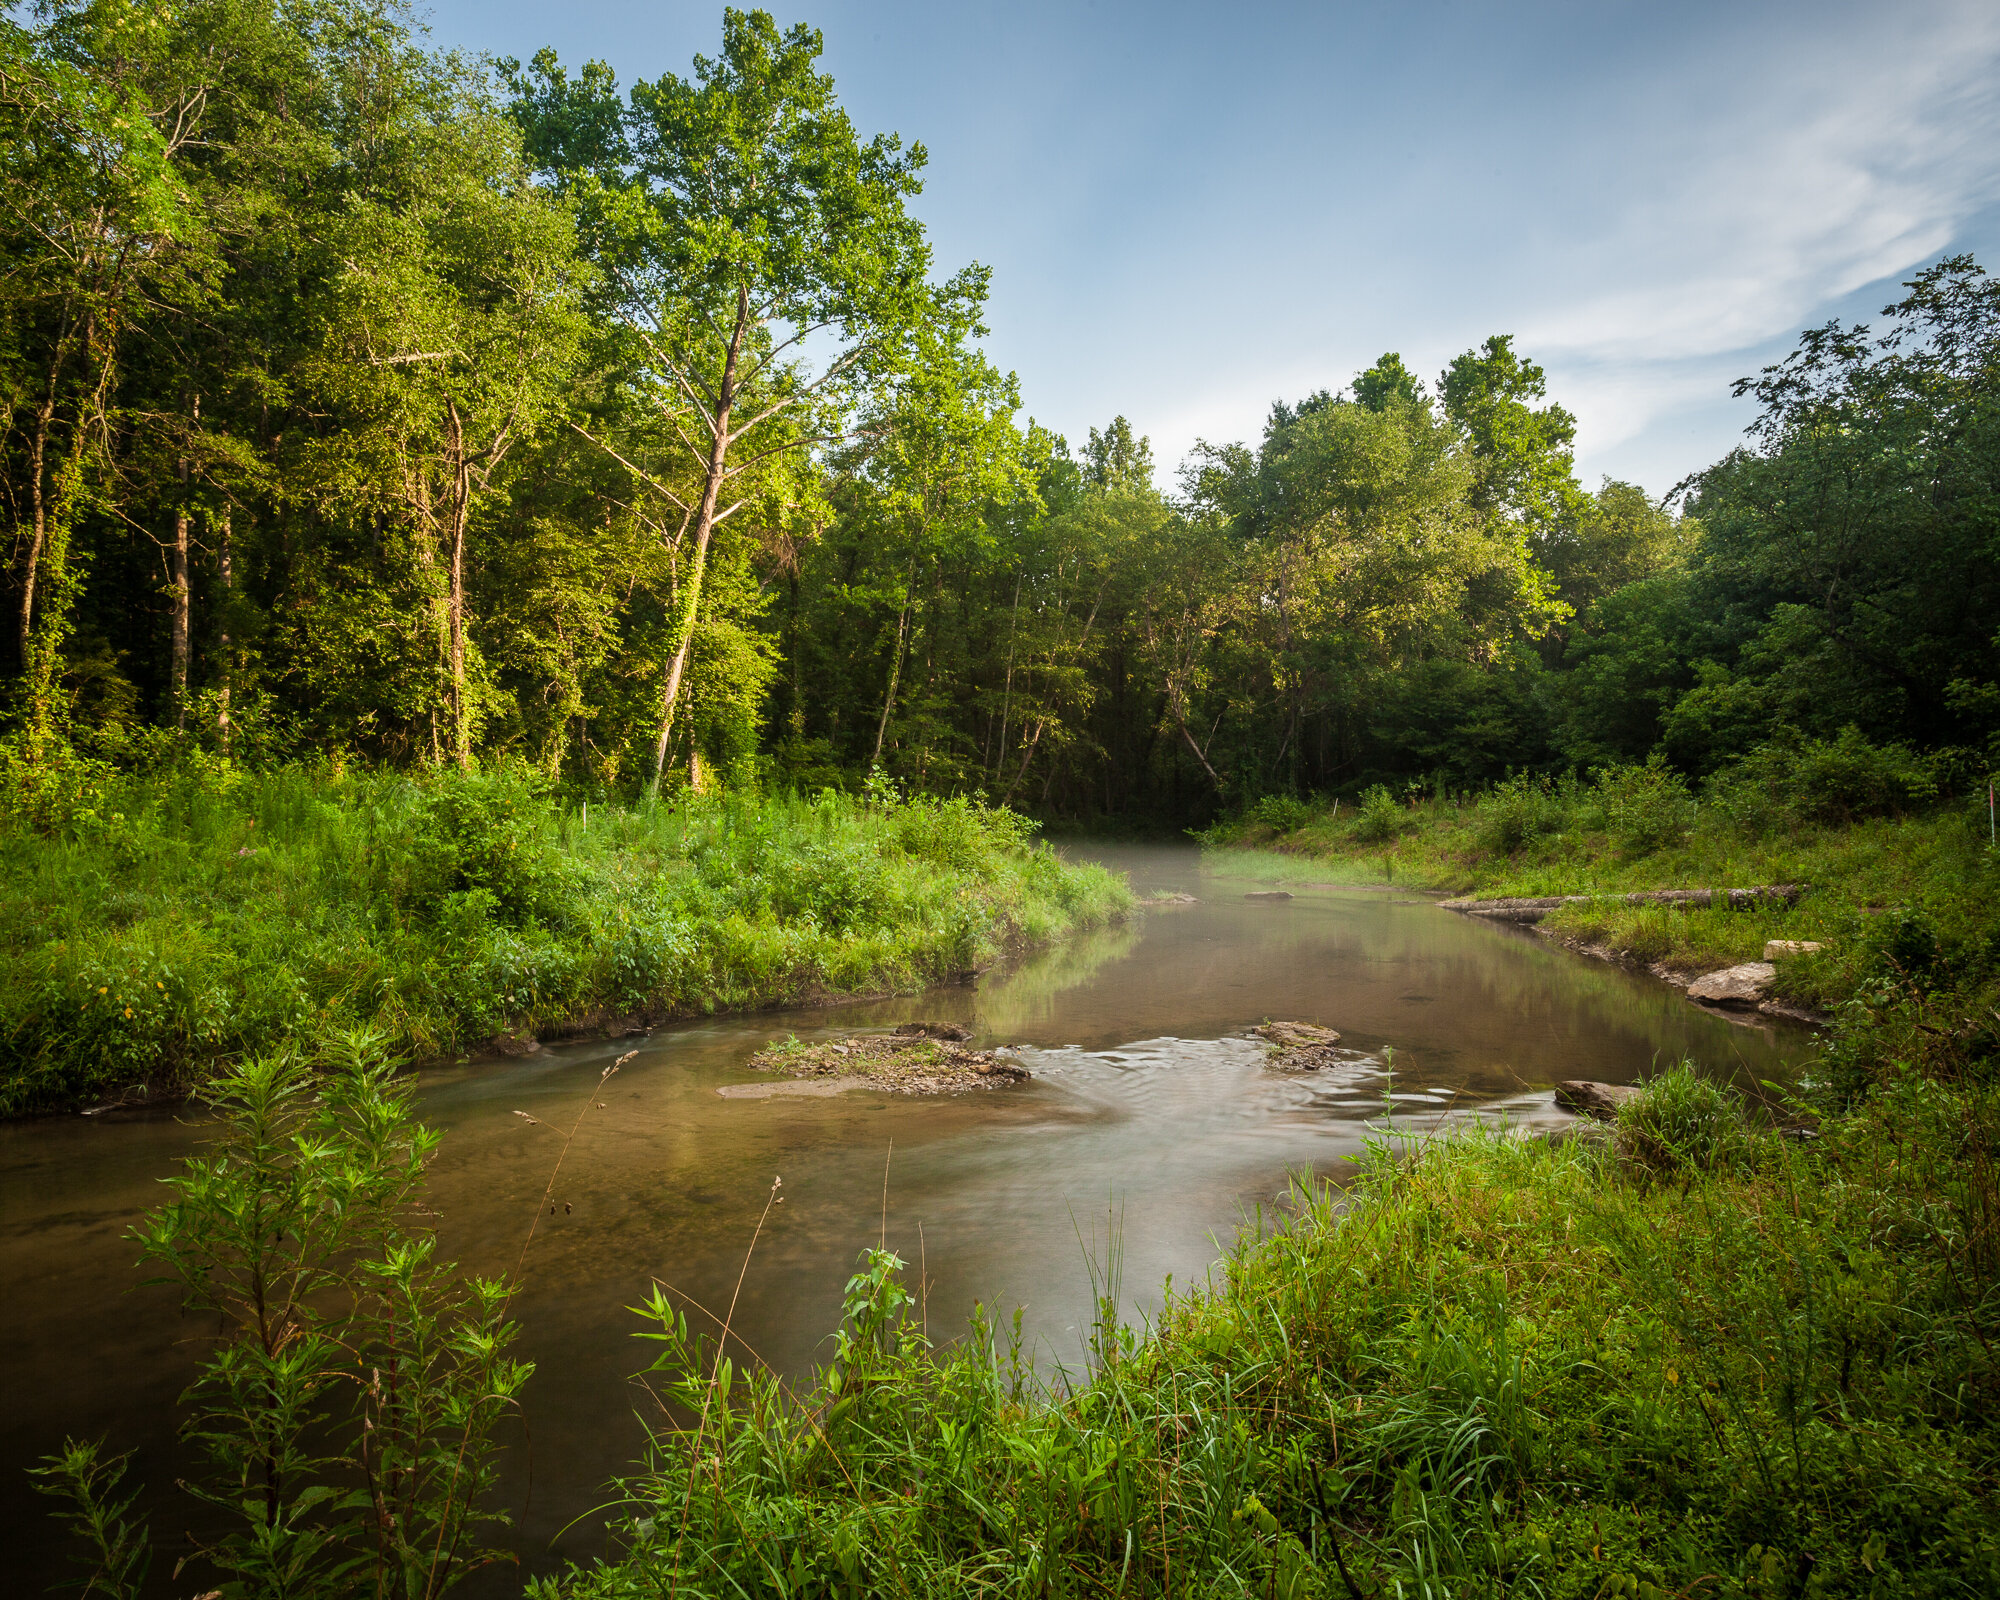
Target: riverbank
(1918, 886)
(186, 919)
(1706, 1358)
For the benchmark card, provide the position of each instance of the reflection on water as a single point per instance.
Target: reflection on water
(1147, 1102)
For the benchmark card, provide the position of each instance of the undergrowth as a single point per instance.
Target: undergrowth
(186, 918)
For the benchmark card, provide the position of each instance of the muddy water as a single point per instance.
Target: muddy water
(1149, 1112)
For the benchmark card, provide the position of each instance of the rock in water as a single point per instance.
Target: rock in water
(957, 1032)
(1734, 986)
(1586, 1098)
(1299, 1046)
(903, 1062)
(1268, 894)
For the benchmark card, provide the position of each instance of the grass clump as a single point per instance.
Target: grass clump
(1683, 1119)
(192, 916)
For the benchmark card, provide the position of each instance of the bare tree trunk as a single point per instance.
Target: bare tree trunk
(704, 528)
(1007, 697)
(225, 574)
(895, 665)
(461, 507)
(38, 533)
(183, 590)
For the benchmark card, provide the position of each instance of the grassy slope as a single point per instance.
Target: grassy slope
(193, 920)
(1752, 1368)
(1936, 866)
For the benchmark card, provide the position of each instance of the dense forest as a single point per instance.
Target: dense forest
(366, 403)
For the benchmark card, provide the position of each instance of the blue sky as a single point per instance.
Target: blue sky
(1193, 210)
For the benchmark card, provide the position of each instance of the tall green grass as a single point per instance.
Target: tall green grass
(1719, 1362)
(191, 916)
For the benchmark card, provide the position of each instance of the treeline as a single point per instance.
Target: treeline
(371, 403)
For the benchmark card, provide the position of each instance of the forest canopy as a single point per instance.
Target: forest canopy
(366, 403)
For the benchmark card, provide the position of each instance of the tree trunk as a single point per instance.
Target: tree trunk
(39, 526)
(895, 665)
(461, 507)
(704, 528)
(225, 666)
(183, 608)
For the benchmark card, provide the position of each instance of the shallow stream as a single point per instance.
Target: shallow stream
(1150, 1113)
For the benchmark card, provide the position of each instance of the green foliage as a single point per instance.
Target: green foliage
(1647, 809)
(1380, 818)
(1787, 782)
(1683, 1119)
(216, 917)
(115, 1545)
(1519, 810)
(346, 1413)
(1282, 813)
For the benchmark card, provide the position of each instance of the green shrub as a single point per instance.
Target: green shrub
(1380, 819)
(1823, 782)
(1282, 813)
(1681, 1120)
(1646, 809)
(1517, 811)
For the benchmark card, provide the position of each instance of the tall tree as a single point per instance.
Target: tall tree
(745, 224)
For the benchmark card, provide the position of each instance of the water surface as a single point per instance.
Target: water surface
(1149, 1107)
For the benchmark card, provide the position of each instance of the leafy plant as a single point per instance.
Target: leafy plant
(346, 1418)
(1282, 813)
(1380, 818)
(1647, 808)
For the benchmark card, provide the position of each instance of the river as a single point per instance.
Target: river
(1150, 1116)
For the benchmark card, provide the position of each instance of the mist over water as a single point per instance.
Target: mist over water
(1151, 1115)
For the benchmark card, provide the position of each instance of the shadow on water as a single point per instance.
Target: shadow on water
(1148, 1102)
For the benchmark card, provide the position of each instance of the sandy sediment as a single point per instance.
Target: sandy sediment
(920, 1058)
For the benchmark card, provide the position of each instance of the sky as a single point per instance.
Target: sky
(1192, 211)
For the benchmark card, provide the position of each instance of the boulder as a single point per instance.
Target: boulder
(518, 1044)
(1778, 949)
(1734, 986)
(954, 1031)
(1585, 1098)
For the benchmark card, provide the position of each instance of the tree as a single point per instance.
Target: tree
(739, 218)
(1522, 451)
(451, 322)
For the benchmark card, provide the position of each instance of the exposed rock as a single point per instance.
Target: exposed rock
(1299, 1046)
(1268, 894)
(955, 1031)
(1585, 1098)
(1742, 985)
(518, 1044)
(1171, 897)
(898, 1063)
(1778, 949)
